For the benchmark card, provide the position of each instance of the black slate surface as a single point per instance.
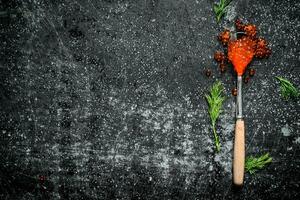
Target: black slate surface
(103, 99)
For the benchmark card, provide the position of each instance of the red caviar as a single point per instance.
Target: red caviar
(240, 53)
(250, 30)
(219, 56)
(234, 91)
(251, 72)
(224, 37)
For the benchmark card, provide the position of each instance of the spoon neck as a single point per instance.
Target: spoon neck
(239, 110)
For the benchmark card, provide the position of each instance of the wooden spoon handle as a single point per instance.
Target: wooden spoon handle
(239, 153)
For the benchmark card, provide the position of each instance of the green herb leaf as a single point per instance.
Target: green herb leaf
(221, 8)
(215, 100)
(253, 164)
(216, 9)
(288, 90)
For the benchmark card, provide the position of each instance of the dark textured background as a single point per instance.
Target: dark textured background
(104, 100)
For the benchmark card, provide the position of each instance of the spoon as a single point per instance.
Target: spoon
(240, 53)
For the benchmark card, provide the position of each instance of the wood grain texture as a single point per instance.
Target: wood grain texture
(239, 153)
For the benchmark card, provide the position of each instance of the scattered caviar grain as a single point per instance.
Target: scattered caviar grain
(234, 91)
(239, 25)
(222, 67)
(224, 37)
(250, 30)
(219, 56)
(251, 72)
(261, 43)
(223, 70)
(208, 72)
(246, 80)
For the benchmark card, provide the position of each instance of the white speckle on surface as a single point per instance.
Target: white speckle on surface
(226, 123)
(163, 163)
(156, 126)
(297, 140)
(224, 157)
(286, 131)
(217, 158)
(168, 125)
(188, 147)
(186, 128)
(231, 12)
(146, 113)
(28, 151)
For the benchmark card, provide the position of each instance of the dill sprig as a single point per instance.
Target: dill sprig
(220, 8)
(288, 90)
(215, 100)
(253, 164)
